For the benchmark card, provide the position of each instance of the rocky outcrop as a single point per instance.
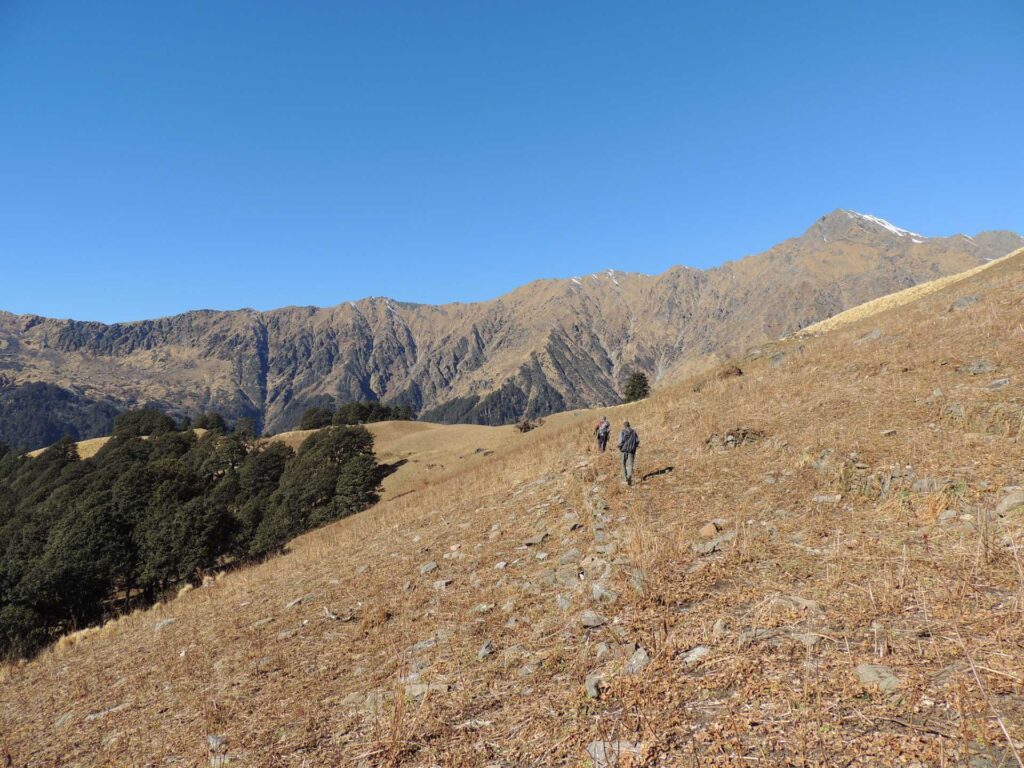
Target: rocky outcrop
(548, 346)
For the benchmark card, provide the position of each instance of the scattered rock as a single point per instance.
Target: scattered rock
(709, 530)
(572, 521)
(715, 544)
(216, 743)
(798, 603)
(870, 336)
(485, 650)
(501, 565)
(163, 623)
(536, 539)
(637, 662)
(482, 608)
(734, 438)
(419, 690)
(928, 485)
(104, 712)
(442, 584)
(718, 630)
(963, 303)
(999, 383)
(880, 676)
(592, 619)
(595, 684)
(977, 367)
(696, 655)
(827, 498)
(1010, 502)
(887, 432)
(602, 594)
(562, 602)
(946, 515)
(572, 556)
(298, 601)
(531, 666)
(606, 754)
(428, 568)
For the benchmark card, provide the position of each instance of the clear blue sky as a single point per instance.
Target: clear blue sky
(162, 156)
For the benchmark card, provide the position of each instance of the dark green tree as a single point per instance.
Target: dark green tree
(144, 421)
(211, 421)
(316, 418)
(637, 387)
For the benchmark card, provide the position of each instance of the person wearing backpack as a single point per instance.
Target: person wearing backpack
(629, 441)
(602, 430)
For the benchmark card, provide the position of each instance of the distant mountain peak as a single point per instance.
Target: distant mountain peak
(843, 223)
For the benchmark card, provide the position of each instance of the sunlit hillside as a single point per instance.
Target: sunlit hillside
(820, 565)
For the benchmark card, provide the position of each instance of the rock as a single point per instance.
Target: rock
(718, 630)
(298, 601)
(877, 675)
(163, 623)
(572, 521)
(798, 603)
(1009, 503)
(592, 619)
(482, 608)
(362, 569)
(714, 545)
(963, 303)
(637, 662)
(531, 666)
(602, 594)
(887, 432)
(562, 602)
(827, 498)
(419, 690)
(606, 549)
(536, 539)
(999, 383)
(606, 754)
(216, 743)
(595, 683)
(870, 336)
(927, 485)
(542, 555)
(442, 584)
(501, 565)
(485, 650)
(977, 367)
(776, 360)
(946, 515)
(696, 654)
(709, 530)
(428, 568)
(219, 761)
(572, 556)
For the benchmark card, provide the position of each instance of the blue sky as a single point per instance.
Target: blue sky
(159, 157)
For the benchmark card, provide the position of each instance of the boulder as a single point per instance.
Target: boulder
(877, 675)
(637, 662)
(592, 619)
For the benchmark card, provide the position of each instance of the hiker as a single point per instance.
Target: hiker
(602, 430)
(629, 441)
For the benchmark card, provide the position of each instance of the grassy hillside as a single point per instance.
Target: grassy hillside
(858, 599)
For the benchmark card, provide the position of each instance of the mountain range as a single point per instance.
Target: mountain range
(548, 346)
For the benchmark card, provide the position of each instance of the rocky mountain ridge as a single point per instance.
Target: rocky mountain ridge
(547, 346)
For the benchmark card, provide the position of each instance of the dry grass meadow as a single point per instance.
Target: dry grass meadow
(859, 600)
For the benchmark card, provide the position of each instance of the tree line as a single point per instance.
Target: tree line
(363, 412)
(157, 507)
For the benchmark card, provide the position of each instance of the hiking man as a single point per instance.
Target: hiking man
(629, 441)
(602, 430)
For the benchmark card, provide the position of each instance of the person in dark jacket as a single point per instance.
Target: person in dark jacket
(602, 430)
(629, 441)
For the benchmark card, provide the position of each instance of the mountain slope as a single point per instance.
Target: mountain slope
(859, 602)
(547, 346)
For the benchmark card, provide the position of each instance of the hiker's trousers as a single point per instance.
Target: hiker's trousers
(628, 457)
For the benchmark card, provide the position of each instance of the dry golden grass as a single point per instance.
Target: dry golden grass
(377, 667)
(901, 298)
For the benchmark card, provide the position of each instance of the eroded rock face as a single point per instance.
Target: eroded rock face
(548, 346)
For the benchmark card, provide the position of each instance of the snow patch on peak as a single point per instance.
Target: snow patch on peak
(886, 225)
